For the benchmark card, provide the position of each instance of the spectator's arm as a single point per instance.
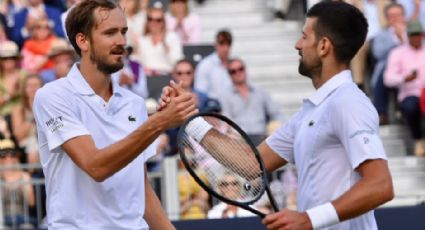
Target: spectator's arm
(382, 45)
(393, 74)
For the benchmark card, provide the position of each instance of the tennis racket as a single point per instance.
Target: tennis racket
(224, 162)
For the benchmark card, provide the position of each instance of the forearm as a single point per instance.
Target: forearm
(113, 158)
(154, 213)
(367, 194)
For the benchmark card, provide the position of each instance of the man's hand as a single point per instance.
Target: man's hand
(287, 220)
(411, 76)
(178, 106)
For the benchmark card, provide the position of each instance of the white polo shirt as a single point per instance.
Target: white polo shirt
(334, 132)
(68, 108)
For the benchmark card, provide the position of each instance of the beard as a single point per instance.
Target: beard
(309, 70)
(105, 67)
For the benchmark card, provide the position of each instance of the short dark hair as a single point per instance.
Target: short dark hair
(224, 36)
(184, 60)
(81, 19)
(343, 24)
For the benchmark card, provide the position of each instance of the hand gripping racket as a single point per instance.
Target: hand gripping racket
(223, 161)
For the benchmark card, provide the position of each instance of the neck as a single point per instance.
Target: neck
(98, 81)
(328, 71)
(243, 89)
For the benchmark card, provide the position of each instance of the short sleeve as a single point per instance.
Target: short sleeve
(56, 118)
(357, 127)
(282, 141)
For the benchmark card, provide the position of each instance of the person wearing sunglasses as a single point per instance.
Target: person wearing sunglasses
(17, 192)
(251, 107)
(186, 24)
(158, 49)
(211, 73)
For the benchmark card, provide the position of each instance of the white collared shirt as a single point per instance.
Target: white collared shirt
(67, 108)
(334, 132)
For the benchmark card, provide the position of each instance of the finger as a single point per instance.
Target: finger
(177, 87)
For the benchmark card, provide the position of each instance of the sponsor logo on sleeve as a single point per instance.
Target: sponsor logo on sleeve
(54, 123)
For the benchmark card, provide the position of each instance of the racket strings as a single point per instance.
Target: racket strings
(233, 172)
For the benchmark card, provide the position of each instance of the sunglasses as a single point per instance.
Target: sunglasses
(5, 154)
(234, 71)
(223, 42)
(42, 27)
(158, 20)
(184, 1)
(228, 183)
(180, 73)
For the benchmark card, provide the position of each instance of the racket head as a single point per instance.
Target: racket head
(213, 176)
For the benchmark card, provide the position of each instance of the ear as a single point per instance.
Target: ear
(324, 46)
(83, 42)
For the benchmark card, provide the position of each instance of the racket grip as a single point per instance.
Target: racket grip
(198, 128)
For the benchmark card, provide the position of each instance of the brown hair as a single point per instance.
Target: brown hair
(146, 30)
(81, 19)
(224, 36)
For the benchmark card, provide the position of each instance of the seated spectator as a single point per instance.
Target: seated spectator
(18, 194)
(248, 106)
(158, 50)
(187, 25)
(382, 44)
(229, 185)
(406, 71)
(194, 202)
(136, 20)
(10, 76)
(23, 123)
(132, 76)
(211, 75)
(36, 9)
(63, 56)
(36, 49)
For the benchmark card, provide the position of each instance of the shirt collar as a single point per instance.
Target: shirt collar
(82, 86)
(329, 86)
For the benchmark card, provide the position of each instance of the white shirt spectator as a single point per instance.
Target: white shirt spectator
(327, 141)
(211, 76)
(68, 108)
(155, 57)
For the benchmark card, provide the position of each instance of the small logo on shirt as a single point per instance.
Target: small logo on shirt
(54, 123)
(131, 118)
(311, 123)
(366, 140)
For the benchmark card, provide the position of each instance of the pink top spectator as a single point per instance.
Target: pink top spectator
(190, 30)
(402, 61)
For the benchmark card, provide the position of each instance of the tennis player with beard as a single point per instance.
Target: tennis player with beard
(94, 135)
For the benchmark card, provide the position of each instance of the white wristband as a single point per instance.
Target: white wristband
(198, 128)
(323, 215)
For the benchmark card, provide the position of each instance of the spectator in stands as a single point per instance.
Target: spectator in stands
(406, 71)
(4, 30)
(10, 76)
(136, 20)
(250, 107)
(132, 76)
(158, 50)
(36, 49)
(230, 186)
(63, 56)
(281, 8)
(374, 13)
(211, 75)
(23, 123)
(383, 43)
(187, 25)
(194, 201)
(36, 9)
(18, 194)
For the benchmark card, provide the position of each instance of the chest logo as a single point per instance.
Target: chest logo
(311, 123)
(131, 118)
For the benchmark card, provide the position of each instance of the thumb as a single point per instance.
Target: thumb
(177, 88)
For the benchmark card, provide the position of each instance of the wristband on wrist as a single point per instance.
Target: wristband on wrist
(323, 215)
(198, 128)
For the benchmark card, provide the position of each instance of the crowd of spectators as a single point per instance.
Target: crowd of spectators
(34, 50)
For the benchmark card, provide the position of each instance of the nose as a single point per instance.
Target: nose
(298, 44)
